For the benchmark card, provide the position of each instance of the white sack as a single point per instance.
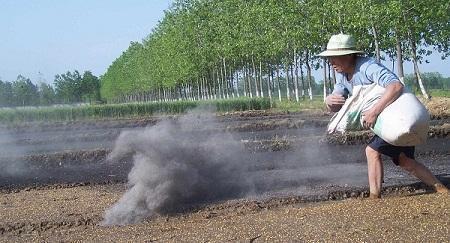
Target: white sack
(405, 122)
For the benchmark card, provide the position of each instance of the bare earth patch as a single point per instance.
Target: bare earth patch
(439, 107)
(73, 214)
(299, 173)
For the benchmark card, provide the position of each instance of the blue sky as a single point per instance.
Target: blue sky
(54, 36)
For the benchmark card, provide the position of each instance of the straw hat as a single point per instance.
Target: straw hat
(339, 45)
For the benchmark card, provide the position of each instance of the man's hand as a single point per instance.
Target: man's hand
(370, 117)
(393, 91)
(335, 102)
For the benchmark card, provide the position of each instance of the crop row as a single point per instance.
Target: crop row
(127, 110)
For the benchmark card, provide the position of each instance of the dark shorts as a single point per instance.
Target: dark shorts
(390, 150)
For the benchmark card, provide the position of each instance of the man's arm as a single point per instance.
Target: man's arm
(393, 91)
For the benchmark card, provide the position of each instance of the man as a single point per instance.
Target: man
(354, 69)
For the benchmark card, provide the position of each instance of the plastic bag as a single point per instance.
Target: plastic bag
(405, 122)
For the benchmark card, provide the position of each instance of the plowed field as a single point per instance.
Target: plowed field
(57, 181)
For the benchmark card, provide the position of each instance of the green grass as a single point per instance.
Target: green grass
(439, 93)
(135, 110)
(304, 104)
(18, 115)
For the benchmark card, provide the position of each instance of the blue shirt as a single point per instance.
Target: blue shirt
(367, 71)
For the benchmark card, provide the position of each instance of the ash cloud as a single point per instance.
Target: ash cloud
(178, 164)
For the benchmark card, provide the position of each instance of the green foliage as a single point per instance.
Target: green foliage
(69, 88)
(16, 115)
(6, 94)
(25, 93)
(432, 81)
(440, 93)
(47, 95)
(196, 38)
(304, 104)
(242, 104)
(90, 87)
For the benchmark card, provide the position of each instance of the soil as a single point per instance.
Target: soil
(439, 107)
(74, 214)
(310, 186)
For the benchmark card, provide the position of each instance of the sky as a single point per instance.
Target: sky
(42, 38)
(55, 36)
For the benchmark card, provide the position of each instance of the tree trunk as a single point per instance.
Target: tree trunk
(296, 76)
(210, 88)
(221, 83)
(324, 63)
(416, 69)
(213, 82)
(331, 78)
(217, 87)
(399, 59)
(260, 79)
(375, 39)
(308, 73)
(269, 91)
(245, 81)
(324, 79)
(249, 85)
(302, 80)
(227, 93)
(205, 88)
(255, 77)
(199, 95)
(202, 89)
(291, 88)
(232, 81)
(237, 83)
(221, 86)
(412, 41)
(278, 82)
(286, 69)
(341, 26)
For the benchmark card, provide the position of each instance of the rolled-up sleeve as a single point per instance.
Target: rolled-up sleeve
(381, 74)
(339, 89)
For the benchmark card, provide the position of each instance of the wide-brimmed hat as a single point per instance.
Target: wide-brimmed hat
(339, 45)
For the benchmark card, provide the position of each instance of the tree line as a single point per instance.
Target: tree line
(433, 80)
(68, 88)
(208, 49)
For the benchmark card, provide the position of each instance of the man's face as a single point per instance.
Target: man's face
(342, 64)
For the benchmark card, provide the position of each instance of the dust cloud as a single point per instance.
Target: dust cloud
(192, 160)
(177, 164)
(10, 162)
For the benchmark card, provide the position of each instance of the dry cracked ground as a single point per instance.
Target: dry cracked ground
(56, 184)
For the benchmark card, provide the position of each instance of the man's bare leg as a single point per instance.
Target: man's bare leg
(422, 173)
(375, 172)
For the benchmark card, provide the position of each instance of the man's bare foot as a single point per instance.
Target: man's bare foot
(440, 188)
(374, 196)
